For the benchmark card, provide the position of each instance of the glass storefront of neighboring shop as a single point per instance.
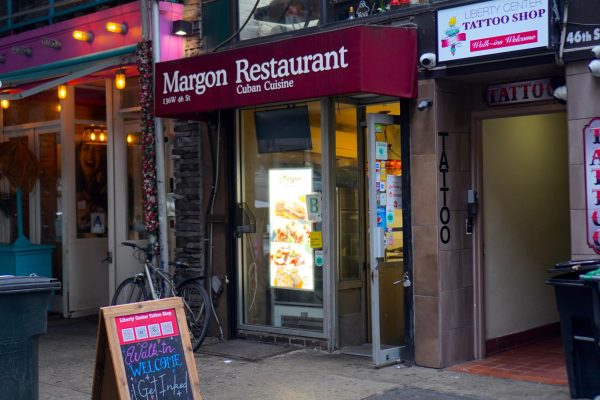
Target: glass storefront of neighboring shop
(89, 163)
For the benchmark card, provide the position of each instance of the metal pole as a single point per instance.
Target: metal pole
(145, 14)
(160, 151)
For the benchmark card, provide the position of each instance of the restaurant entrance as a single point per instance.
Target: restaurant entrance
(372, 270)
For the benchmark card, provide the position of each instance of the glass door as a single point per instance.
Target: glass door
(386, 237)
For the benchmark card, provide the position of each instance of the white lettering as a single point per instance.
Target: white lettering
(170, 85)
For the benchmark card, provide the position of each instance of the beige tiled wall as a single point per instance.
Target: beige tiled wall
(443, 277)
(582, 106)
(424, 221)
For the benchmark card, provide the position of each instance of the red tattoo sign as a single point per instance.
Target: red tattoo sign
(362, 59)
(591, 140)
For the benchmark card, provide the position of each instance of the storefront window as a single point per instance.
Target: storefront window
(277, 16)
(41, 107)
(130, 96)
(344, 9)
(280, 167)
(347, 192)
(24, 204)
(91, 181)
(90, 101)
(135, 202)
(51, 210)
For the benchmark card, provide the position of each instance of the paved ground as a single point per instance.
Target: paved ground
(67, 353)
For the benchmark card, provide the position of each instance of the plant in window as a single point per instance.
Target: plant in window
(21, 168)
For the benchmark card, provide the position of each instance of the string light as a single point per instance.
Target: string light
(120, 79)
(62, 92)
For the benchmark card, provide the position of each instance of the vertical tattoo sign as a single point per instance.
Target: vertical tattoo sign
(591, 140)
(443, 168)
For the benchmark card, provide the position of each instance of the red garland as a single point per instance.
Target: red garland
(144, 64)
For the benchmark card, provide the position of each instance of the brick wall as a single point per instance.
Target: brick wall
(190, 218)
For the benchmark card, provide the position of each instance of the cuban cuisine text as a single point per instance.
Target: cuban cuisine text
(273, 74)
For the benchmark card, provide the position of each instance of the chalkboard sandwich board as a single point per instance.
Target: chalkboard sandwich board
(143, 352)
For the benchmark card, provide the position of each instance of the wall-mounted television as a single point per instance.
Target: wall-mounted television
(283, 129)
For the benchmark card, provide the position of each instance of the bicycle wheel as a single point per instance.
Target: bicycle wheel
(196, 303)
(131, 290)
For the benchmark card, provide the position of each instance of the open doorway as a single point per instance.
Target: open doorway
(370, 231)
(523, 185)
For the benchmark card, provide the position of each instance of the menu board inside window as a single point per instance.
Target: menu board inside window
(291, 258)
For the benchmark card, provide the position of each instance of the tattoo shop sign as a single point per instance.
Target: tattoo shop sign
(492, 27)
(519, 92)
(591, 140)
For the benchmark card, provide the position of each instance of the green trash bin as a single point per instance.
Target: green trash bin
(24, 304)
(580, 327)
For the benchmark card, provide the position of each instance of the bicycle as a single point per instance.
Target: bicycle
(196, 301)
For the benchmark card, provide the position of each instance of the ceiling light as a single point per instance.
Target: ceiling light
(62, 92)
(182, 28)
(116, 27)
(120, 79)
(4, 104)
(83, 36)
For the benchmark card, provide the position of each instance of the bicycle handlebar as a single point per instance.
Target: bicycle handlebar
(179, 264)
(145, 250)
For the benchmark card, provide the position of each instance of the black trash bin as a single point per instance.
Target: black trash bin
(579, 330)
(23, 308)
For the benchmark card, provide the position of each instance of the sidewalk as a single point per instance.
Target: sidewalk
(66, 357)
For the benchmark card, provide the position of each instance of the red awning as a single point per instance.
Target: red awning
(378, 60)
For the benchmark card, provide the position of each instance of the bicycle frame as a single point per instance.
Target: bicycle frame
(164, 278)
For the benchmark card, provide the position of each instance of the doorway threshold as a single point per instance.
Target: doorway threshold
(362, 350)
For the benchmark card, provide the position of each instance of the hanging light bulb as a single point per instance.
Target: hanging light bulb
(120, 79)
(102, 137)
(62, 92)
(92, 136)
(58, 108)
(129, 138)
(4, 104)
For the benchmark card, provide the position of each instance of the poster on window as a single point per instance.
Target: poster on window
(291, 260)
(91, 189)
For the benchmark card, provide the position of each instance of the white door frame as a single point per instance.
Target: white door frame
(389, 354)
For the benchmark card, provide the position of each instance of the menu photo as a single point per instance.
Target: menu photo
(291, 259)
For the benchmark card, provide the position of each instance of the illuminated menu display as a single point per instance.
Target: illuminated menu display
(291, 261)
